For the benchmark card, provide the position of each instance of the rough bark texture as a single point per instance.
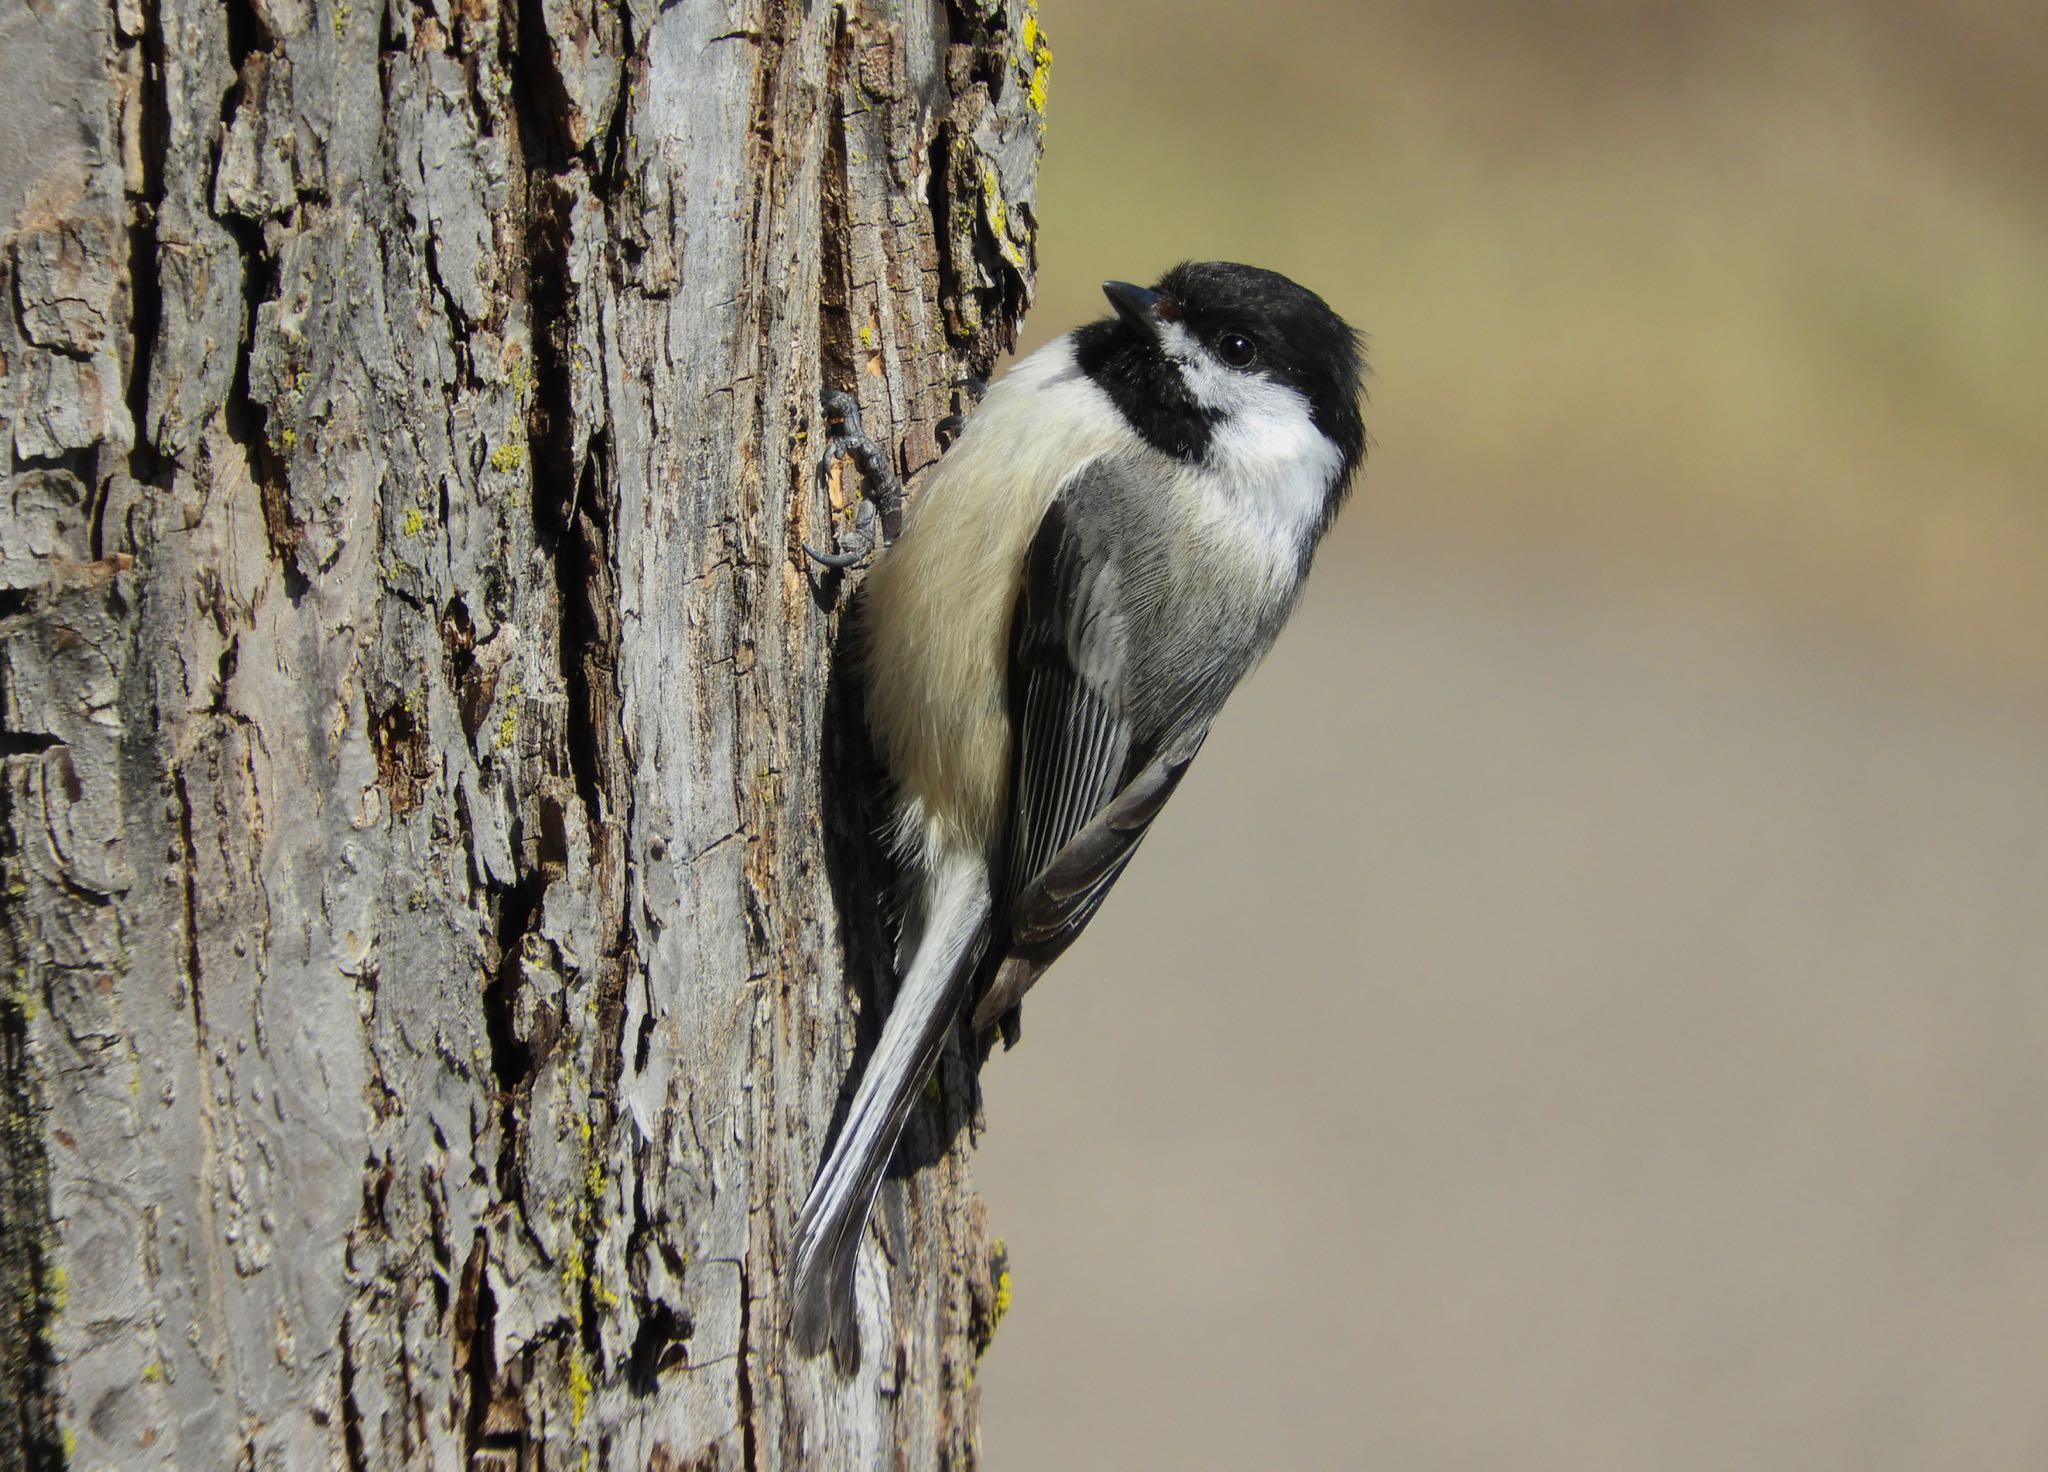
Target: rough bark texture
(434, 850)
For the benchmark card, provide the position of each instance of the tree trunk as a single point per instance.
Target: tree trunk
(437, 864)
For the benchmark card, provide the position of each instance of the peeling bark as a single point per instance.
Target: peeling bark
(436, 850)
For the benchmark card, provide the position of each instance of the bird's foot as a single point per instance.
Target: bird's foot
(856, 542)
(967, 395)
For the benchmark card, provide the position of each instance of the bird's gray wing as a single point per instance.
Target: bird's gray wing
(1085, 785)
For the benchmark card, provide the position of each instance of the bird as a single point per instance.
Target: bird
(1112, 542)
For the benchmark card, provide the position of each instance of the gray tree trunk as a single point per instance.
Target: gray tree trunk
(434, 854)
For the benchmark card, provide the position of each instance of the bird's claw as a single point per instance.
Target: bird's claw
(862, 540)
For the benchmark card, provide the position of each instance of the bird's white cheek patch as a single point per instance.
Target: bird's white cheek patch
(1267, 461)
(1268, 421)
(1213, 386)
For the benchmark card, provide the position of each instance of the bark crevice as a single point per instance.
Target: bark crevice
(145, 284)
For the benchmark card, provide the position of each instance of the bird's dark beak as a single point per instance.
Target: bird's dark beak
(1135, 304)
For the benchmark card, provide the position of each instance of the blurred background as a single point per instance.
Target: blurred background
(1588, 1007)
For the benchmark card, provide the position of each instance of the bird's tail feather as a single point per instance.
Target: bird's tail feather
(830, 1227)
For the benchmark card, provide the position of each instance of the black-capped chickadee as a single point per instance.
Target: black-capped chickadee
(1113, 542)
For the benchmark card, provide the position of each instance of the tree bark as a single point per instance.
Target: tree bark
(436, 853)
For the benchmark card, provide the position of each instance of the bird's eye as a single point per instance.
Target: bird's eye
(1235, 349)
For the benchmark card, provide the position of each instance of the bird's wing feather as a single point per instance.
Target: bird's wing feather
(1048, 912)
(1066, 651)
(1084, 785)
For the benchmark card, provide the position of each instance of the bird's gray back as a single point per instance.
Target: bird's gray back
(1197, 599)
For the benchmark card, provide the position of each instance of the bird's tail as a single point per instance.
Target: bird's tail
(829, 1229)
